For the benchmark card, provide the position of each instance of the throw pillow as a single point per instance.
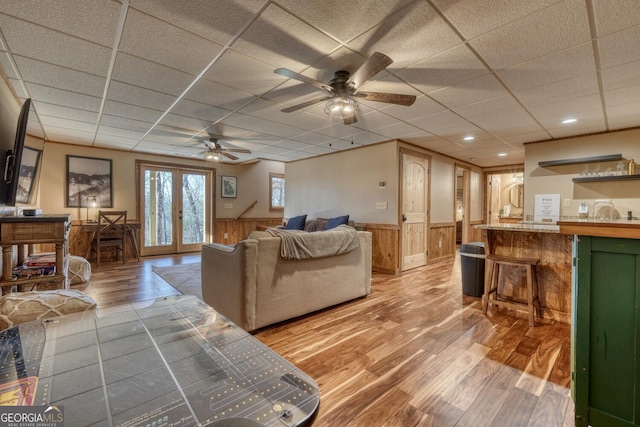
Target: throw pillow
(334, 222)
(296, 223)
(20, 307)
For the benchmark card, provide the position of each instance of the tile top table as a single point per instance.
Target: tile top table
(171, 361)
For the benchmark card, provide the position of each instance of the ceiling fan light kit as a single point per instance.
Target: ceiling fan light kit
(341, 108)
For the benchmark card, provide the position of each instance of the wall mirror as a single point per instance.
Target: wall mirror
(516, 195)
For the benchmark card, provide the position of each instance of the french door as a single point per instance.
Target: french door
(176, 209)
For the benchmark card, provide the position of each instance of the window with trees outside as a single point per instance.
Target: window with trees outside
(276, 191)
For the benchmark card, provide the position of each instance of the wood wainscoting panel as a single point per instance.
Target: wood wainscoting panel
(237, 230)
(442, 241)
(476, 234)
(553, 273)
(385, 247)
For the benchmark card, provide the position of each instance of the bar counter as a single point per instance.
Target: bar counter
(532, 240)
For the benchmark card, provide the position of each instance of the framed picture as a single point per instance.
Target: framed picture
(88, 177)
(28, 174)
(229, 187)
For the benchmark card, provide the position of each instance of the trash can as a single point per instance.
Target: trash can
(472, 266)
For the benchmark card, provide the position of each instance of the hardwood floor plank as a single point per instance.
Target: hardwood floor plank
(415, 352)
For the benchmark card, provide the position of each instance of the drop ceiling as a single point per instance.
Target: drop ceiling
(158, 76)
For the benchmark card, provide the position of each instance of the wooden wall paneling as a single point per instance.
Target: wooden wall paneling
(442, 241)
(385, 247)
(237, 230)
(553, 272)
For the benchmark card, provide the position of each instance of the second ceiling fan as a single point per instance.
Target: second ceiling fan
(343, 90)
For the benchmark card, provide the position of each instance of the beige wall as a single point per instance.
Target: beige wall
(557, 180)
(253, 181)
(347, 183)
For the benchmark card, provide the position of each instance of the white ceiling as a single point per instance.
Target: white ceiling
(156, 75)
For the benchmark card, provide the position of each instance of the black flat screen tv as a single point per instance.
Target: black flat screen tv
(13, 158)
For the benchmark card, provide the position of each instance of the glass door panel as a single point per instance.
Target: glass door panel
(175, 207)
(193, 213)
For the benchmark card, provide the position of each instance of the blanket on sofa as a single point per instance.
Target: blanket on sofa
(298, 244)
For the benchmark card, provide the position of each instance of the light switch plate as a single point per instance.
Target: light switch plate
(567, 203)
(228, 205)
(382, 205)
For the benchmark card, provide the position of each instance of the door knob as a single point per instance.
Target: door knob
(404, 217)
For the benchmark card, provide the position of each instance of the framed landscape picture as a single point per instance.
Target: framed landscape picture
(87, 177)
(229, 187)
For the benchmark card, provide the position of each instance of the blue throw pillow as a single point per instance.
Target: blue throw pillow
(296, 223)
(334, 222)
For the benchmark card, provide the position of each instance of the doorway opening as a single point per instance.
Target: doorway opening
(505, 194)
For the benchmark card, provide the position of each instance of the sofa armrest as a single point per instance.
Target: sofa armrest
(228, 280)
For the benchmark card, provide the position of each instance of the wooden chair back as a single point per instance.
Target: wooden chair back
(112, 231)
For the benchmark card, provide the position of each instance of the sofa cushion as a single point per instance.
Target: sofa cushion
(296, 223)
(339, 220)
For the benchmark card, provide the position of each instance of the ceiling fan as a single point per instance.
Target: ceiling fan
(213, 150)
(343, 90)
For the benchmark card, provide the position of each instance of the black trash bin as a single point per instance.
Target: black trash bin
(472, 266)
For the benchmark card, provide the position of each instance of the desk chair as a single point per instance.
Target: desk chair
(112, 232)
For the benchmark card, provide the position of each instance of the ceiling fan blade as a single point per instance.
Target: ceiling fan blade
(237, 150)
(350, 120)
(230, 156)
(389, 98)
(293, 75)
(305, 104)
(372, 66)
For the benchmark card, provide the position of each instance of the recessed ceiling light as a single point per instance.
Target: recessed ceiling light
(502, 154)
(568, 121)
(469, 138)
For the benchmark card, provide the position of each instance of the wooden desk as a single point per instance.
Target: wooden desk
(30, 230)
(91, 228)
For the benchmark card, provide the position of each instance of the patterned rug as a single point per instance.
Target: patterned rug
(184, 277)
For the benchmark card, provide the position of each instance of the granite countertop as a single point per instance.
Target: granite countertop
(523, 226)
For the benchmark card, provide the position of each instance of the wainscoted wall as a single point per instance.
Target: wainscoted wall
(442, 241)
(230, 231)
(385, 246)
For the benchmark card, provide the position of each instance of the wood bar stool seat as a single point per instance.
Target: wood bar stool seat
(495, 264)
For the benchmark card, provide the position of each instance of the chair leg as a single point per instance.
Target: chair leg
(536, 292)
(487, 286)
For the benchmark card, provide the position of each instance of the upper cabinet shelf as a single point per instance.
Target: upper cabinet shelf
(594, 159)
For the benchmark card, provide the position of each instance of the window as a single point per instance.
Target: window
(276, 191)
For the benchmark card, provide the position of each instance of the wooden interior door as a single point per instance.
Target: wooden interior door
(415, 175)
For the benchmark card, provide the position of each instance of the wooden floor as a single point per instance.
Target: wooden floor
(415, 352)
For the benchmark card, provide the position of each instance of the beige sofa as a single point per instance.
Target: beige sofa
(254, 286)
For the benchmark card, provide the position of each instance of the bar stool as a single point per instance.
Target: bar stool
(495, 265)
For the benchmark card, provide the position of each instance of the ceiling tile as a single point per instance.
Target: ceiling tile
(134, 95)
(173, 47)
(620, 48)
(551, 68)
(78, 54)
(66, 98)
(59, 77)
(93, 21)
(616, 15)
(279, 39)
(243, 73)
(210, 93)
(476, 17)
(446, 69)
(554, 28)
(470, 92)
(621, 76)
(121, 109)
(149, 75)
(219, 23)
(586, 84)
(51, 110)
(410, 35)
(423, 106)
(206, 113)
